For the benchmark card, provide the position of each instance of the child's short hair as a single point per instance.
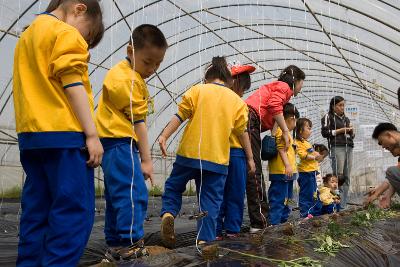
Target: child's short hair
(93, 11)
(289, 110)
(147, 34)
(218, 69)
(320, 148)
(328, 177)
(300, 124)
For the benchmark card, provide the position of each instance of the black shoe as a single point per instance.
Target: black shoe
(127, 254)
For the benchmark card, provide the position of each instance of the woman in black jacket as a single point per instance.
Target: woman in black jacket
(336, 127)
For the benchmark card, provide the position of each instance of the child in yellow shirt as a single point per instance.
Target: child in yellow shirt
(58, 142)
(214, 112)
(230, 216)
(282, 171)
(124, 104)
(329, 195)
(307, 167)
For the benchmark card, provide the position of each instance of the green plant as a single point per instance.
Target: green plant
(99, 191)
(337, 231)
(13, 192)
(299, 262)
(156, 191)
(372, 214)
(328, 245)
(191, 191)
(395, 206)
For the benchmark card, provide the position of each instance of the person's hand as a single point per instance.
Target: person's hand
(162, 141)
(147, 170)
(385, 201)
(286, 139)
(289, 171)
(318, 157)
(95, 150)
(251, 166)
(371, 197)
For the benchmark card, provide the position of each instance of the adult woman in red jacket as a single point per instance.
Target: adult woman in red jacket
(266, 108)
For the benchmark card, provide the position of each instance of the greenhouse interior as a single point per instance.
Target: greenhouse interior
(336, 62)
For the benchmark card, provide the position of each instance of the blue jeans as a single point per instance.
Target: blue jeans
(342, 159)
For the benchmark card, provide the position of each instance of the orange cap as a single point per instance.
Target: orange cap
(238, 69)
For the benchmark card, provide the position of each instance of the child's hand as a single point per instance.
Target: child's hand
(251, 166)
(147, 170)
(318, 157)
(162, 141)
(289, 171)
(95, 150)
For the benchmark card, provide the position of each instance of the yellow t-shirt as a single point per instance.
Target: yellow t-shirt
(234, 139)
(214, 112)
(326, 196)
(49, 57)
(304, 148)
(113, 118)
(276, 165)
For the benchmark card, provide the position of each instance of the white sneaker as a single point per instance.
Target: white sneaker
(255, 230)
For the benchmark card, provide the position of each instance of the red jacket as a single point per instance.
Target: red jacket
(268, 101)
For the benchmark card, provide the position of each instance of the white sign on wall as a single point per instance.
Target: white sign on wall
(303, 112)
(352, 112)
(358, 146)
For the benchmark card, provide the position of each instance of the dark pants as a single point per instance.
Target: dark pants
(121, 226)
(255, 187)
(280, 192)
(308, 193)
(231, 212)
(57, 207)
(210, 193)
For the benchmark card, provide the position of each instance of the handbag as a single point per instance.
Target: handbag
(268, 148)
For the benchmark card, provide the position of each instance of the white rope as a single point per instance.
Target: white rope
(200, 139)
(133, 129)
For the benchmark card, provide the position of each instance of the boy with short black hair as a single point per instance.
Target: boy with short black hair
(121, 122)
(389, 138)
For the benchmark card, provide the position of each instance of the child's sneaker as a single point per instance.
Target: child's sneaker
(167, 230)
(127, 254)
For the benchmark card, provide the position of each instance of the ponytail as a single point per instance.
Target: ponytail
(291, 74)
(218, 70)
